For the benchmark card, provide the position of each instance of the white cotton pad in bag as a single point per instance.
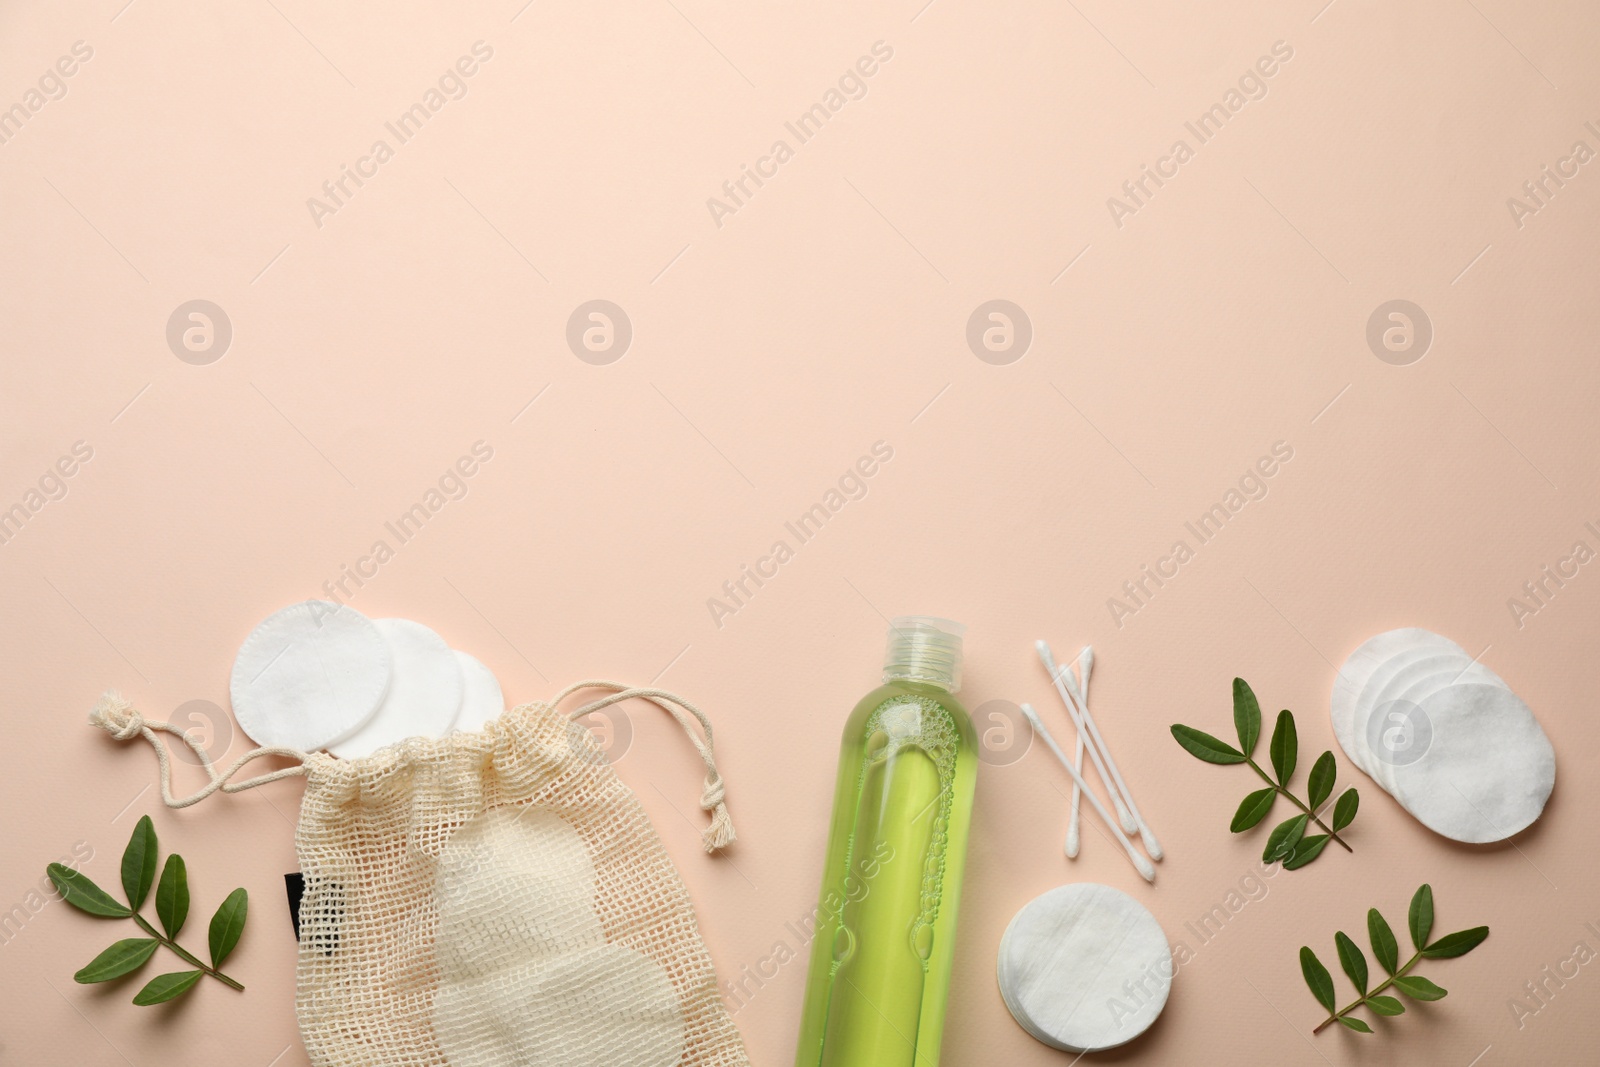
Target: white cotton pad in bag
(1485, 770)
(482, 700)
(1084, 967)
(526, 973)
(424, 695)
(309, 675)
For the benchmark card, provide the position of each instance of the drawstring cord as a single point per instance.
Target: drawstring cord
(117, 717)
(122, 721)
(720, 833)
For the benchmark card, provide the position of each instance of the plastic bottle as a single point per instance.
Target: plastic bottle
(886, 918)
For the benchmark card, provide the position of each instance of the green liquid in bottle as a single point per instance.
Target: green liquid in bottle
(885, 935)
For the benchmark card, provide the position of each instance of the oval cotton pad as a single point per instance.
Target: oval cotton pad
(1357, 671)
(424, 695)
(1084, 967)
(1488, 769)
(482, 699)
(309, 675)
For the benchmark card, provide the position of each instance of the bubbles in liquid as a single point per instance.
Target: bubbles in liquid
(922, 723)
(876, 744)
(922, 941)
(844, 944)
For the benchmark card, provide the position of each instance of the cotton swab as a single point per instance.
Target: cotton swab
(1074, 835)
(1092, 743)
(1084, 721)
(1140, 864)
(1097, 748)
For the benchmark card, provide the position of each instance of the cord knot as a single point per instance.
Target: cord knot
(719, 833)
(117, 717)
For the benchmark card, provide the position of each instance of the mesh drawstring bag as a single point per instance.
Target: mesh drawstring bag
(492, 899)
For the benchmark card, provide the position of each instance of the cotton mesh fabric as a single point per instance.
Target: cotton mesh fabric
(497, 897)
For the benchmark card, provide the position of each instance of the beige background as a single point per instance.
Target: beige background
(829, 312)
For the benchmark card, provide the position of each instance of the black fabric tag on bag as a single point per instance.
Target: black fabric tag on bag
(327, 914)
(296, 885)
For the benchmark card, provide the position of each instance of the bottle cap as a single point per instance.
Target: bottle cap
(923, 648)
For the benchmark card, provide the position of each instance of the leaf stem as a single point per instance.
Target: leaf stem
(1295, 801)
(1347, 1009)
(184, 953)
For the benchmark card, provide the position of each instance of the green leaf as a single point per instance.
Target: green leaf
(172, 896)
(1354, 1024)
(1202, 745)
(1307, 850)
(1421, 918)
(1246, 715)
(1285, 747)
(1459, 943)
(1418, 988)
(1386, 1005)
(1352, 960)
(1284, 836)
(125, 957)
(1320, 785)
(165, 987)
(1252, 809)
(227, 924)
(1383, 943)
(77, 889)
(1317, 977)
(1344, 811)
(139, 863)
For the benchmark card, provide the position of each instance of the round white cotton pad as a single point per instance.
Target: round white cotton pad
(1479, 767)
(424, 695)
(309, 675)
(482, 700)
(1353, 677)
(1399, 670)
(1367, 699)
(1399, 702)
(1084, 967)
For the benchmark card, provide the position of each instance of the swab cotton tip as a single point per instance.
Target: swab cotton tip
(1045, 655)
(1074, 840)
(1144, 867)
(1151, 845)
(1129, 823)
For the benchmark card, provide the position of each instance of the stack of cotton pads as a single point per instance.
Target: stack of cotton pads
(323, 676)
(1084, 968)
(1444, 735)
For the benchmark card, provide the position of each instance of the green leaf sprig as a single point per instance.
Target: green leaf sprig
(139, 863)
(1288, 842)
(1354, 964)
